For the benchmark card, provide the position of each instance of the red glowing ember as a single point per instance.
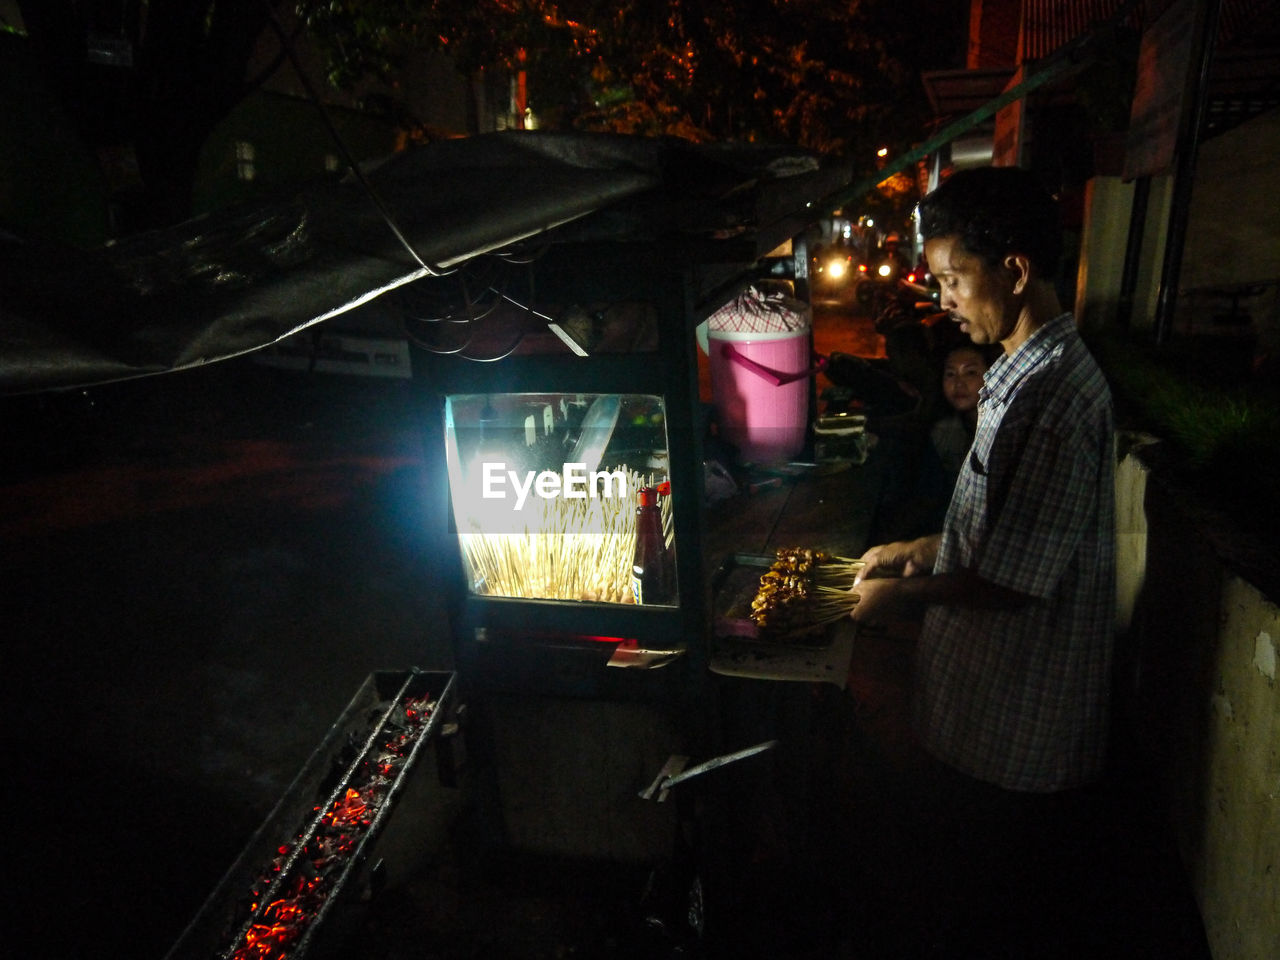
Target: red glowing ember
(351, 810)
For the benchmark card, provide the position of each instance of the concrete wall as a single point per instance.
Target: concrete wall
(1103, 244)
(1233, 240)
(1238, 870)
(1204, 708)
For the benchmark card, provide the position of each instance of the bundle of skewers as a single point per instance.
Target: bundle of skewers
(802, 591)
(567, 549)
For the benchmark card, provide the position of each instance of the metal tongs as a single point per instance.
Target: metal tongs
(674, 772)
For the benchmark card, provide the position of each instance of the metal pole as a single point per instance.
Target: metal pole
(1133, 250)
(1184, 177)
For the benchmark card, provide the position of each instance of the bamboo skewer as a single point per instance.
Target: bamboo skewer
(570, 549)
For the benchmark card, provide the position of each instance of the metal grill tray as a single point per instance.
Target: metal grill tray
(213, 932)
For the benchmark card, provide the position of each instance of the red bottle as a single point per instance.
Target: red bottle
(652, 578)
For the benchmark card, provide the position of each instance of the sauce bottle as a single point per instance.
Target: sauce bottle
(652, 576)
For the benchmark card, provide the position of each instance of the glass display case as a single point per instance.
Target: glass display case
(550, 494)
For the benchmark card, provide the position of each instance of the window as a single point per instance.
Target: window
(244, 160)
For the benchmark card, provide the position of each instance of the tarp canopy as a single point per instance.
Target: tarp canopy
(235, 281)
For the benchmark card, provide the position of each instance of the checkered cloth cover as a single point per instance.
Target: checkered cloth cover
(756, 312)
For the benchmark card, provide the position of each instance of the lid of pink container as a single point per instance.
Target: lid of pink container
(755, 312)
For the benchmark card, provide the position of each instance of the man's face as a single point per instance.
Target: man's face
(977, 295)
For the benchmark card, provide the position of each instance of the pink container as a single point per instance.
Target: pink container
(760, 389)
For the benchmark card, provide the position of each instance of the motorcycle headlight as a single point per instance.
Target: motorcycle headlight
(835, 269)
(884, 269)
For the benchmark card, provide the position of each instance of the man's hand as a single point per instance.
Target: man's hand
(903, 558)
(883, 596)
(877, 600)
(881, 585)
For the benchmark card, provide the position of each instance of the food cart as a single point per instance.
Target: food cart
(558, 372)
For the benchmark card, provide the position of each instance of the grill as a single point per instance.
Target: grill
(315, 855)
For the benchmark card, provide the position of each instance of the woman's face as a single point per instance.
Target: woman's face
(962, 378)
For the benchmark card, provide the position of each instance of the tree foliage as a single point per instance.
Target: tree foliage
(839, 76)
(836, 76)
(833, 75)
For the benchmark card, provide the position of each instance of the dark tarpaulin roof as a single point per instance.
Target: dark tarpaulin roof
(236, 281)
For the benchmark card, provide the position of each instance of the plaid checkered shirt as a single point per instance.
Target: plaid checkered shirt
(1020, 698)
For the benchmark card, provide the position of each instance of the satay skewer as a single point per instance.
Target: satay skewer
(804, 589)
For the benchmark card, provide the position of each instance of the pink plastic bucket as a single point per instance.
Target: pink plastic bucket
(760, 389)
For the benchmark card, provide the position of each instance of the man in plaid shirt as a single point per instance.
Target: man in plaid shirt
(1013, 662)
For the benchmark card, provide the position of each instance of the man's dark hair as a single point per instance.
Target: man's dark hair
(996, 211)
